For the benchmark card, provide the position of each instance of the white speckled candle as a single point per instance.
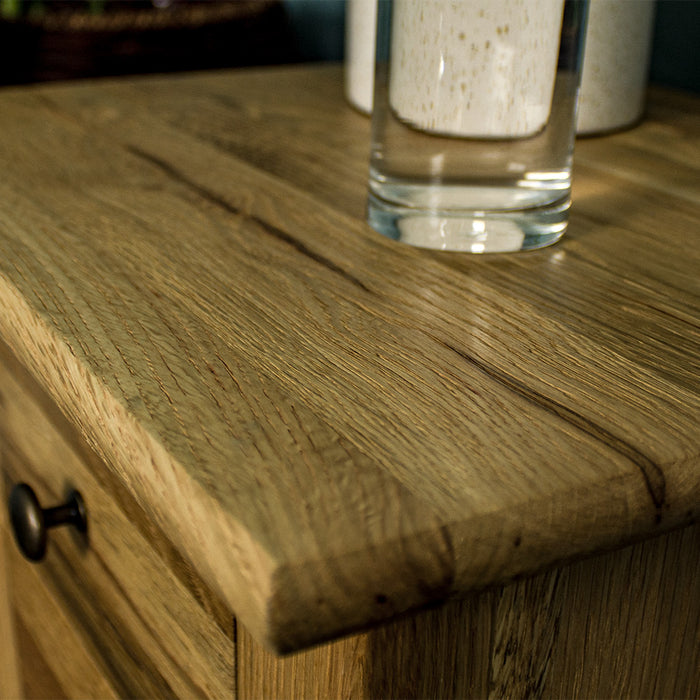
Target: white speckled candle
(469, 68)
(616, 64)
(360, 40)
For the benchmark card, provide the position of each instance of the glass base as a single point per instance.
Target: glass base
(470, 231)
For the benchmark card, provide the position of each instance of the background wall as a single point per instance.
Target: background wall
(237, 33)
(318, 26)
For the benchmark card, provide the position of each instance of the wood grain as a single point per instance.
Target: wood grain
(9, 670)
(628, 629)
(613, 626)
(333, 428)
(118, 615)
(441, 653)
(38, 681)
(335, 670)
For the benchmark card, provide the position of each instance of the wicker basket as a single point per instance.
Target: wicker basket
(128, 38)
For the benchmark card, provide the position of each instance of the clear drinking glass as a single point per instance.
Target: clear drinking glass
(474, 121)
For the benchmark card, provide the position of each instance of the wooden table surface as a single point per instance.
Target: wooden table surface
(333, 427)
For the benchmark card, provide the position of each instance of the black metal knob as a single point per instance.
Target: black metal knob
(30, 521)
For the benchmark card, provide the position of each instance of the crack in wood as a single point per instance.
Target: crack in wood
(651, 472)
(215, 199)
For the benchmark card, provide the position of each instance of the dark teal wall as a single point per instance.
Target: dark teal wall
(319, 28)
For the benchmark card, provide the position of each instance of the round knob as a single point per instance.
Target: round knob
(30, 521)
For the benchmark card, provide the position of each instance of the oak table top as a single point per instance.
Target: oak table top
(333, 427)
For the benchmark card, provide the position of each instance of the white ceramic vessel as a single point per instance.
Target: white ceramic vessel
(360, 39)
(615, 65)
(615, 69)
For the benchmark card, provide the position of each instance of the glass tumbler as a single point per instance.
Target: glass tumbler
(474, 122)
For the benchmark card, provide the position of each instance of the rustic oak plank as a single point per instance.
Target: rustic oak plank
(245, 354)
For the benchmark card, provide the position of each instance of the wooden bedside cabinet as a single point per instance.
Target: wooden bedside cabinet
(119, 613)
(317, 463)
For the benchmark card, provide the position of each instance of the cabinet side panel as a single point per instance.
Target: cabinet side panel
(437, 653)
(624, 624)
(334, 670)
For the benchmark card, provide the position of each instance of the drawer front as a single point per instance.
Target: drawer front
(9, 675)
(114, 613)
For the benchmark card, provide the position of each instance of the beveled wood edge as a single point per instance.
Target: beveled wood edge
(507, 560)
(247, 577)
(240, 574)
